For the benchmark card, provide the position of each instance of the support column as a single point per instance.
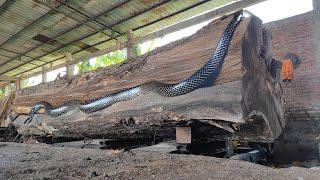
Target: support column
(17, 84)
(118, 43)
(130, 48)
(44, 74)
(69, 67)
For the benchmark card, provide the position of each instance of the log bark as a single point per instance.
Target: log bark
(5, 106)
(244, 101)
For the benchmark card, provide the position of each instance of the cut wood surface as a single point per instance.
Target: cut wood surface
(5, 105)
(244, 101)
(170, 64)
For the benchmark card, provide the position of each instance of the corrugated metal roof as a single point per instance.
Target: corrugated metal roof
(37, 32)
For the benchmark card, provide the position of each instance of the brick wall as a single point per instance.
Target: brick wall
(302, 95)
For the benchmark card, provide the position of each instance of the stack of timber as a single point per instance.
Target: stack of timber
(244, 102)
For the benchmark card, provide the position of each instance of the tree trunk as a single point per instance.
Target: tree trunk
(244, 101)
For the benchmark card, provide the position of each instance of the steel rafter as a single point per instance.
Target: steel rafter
(29, 25)
(26, 27)
(71, 29)
(107, 27)
(87, 15)
(137, 28)
(18, 60)
(13, 52)
(75, 19)
(6, 5)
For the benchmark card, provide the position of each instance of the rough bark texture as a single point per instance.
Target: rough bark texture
(169, 64)
(244, 101)
(5, 106)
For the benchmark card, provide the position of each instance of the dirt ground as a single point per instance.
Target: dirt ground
(40, 161)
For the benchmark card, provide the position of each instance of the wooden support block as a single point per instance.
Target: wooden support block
(183, 135)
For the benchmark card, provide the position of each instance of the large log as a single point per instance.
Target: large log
(244, 101)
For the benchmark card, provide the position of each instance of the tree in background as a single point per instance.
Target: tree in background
(1, 93)
(8, 89)
(102, 61)
(109, 59)
(25, 83)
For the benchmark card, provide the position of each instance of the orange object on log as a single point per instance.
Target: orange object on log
(287, 70)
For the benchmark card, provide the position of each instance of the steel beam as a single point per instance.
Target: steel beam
(75, 19)
(20, 57)
(29, 25)
(87, 16)
(71, 29)
(91, 34)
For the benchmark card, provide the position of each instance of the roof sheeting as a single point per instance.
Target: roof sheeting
(34, 33)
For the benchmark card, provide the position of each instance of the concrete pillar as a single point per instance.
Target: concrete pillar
(316, 33)
(130, 48)
(69, 67)
(44, 74)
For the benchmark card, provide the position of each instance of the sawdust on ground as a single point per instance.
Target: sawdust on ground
(40, 161)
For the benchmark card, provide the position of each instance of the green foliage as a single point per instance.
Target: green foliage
(8, 88)
(110, 59)
(137, 50)
(84, 66)
(102, 61)
(25, 83)
(1, 93)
